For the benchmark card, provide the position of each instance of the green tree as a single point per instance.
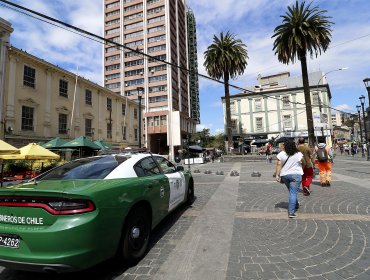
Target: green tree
(304, 30)
(226, 58)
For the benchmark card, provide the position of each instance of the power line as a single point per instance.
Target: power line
(102, 40)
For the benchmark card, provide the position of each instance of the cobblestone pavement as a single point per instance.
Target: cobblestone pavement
(330, 239)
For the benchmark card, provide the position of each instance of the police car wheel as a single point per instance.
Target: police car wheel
(136, 235)
(190, 195)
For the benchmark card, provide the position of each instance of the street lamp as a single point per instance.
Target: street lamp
(362, 100)
(140, 91)
(318, 95)
(359, 121)
(367, 85)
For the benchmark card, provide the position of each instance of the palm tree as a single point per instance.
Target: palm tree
(303, 30)
(225, 59)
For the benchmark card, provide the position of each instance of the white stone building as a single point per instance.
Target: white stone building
(275, 108)
(41, 101)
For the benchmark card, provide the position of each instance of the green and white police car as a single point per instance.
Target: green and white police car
(89, 210)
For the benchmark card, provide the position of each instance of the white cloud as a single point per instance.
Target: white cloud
(343, 107)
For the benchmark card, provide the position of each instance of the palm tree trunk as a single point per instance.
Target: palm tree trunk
(228, 113)
(307, 99)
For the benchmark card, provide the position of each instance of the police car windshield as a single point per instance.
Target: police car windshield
(86, 168)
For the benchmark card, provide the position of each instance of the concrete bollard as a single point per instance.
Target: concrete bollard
(256, 174)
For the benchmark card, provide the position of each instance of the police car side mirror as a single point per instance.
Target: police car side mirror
(180, 168)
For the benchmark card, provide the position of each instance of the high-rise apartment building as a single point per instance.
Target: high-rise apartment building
(158, 28)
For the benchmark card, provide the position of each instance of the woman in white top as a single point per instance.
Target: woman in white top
(289, 168)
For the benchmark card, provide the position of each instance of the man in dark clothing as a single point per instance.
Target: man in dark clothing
(308, 166)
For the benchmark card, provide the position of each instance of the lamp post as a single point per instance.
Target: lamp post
(359, 121)
(140, 91)
(367, 85)
(318, 95)
(362, 100)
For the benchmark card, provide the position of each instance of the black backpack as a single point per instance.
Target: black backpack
(322, 155)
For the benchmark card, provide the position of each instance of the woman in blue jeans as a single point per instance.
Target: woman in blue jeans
(289, 168)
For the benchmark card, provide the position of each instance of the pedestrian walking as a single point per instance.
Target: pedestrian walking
(307, 166)
(289, 171)
(268, 153)
(324, 156)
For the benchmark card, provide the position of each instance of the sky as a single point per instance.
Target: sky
(252, 21)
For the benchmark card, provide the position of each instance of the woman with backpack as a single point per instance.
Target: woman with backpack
(323, 159)
(289, 171)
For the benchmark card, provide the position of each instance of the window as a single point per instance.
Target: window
(134, 62)
(157, 57)
(157, 78)
(134, 34)
(112, 76)
(109, 14)
(134, 82)
(112, 5)
(155, 10)
(123, 109)
(133, 16)
(257, 105)
(156, 29)
(115, 39)
(135, 113)
(134, 72)
(315, 98)
(146, 167)
(113, 85)
(163, 120)
(112, 31)
(29, 76)
(259, 124)
(155, 99)
(27, 118)
(62, 124)
(133, 7)
(86, 168)
(109, 104)
(157, 48)
(157, 68)
(113, 67)
(136, 134)
(123, 132)
(111, 49)
(63, 88)
(88, 127)
(157, 88)
(112, 57)
(324, 118)
(134, 25)
(88, 97)
(232, 108)
(233, 124)
(156, 19)
(151, 2)
(286, 102)
(157, 39)
(166, 166)
(109, 130)
(287, 122)
(111, 22)
(135, 43)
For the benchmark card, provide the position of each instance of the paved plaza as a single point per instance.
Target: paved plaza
(238, 229)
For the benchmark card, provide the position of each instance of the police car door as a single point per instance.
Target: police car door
(176, 180)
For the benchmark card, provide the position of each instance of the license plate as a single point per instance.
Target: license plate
(10, 240)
